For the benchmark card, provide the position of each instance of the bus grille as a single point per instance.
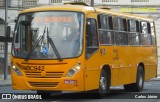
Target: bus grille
(43, 84)
(48, 75)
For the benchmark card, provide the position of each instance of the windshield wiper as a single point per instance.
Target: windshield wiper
(54, 47)
(37, 42)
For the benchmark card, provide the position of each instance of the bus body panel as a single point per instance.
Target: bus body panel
(55, 75)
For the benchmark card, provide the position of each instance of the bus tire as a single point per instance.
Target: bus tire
(103, 84)
(138, 86)
(47, 94)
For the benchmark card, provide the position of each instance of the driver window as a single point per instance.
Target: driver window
(91, 37)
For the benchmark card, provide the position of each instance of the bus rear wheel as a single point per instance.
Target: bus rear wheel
(138, 86)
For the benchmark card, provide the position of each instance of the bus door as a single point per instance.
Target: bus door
(92, 55)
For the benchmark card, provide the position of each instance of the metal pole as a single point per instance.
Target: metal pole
(6, 44)
(92, 3)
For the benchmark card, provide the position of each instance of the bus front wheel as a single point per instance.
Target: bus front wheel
(103, 84)
(138, 86)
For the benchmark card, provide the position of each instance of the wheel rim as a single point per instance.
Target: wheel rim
(102, 84)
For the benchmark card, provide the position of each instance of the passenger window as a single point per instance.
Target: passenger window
(121, 35)
(145, 34)
(137, 26)
(144, 28)
(106, 33)
(116, 23)
(152, 34)
(91, 37)
(103, 23)
(132, 25)
(133, 28)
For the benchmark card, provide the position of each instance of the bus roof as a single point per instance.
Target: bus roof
(134, 16)
(85, 9)
(78, 8)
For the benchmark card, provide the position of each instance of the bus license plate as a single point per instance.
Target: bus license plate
(35, 68)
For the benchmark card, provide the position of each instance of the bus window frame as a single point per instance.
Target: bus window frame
(154, 34)
(106, 30)
(121, 17)
(137, 31)
(96, 25)
(83, 32)
(143, 33)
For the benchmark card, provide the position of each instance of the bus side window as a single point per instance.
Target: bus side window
(91, 37)
(152, 34)
(121, 34)
(133, 28)
(145, 36)
(106, 33)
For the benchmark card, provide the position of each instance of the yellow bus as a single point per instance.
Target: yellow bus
(81, 48)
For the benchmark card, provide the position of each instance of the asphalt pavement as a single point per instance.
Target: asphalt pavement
(151, 93)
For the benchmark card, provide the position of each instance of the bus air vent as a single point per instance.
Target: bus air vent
(43, 84)
(47, 75)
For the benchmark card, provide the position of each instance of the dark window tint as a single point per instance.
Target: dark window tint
(120, 24)
(106, 30)
(106, 37)
(121, 38)
(91, 36)
(105, 22)
(133, 28)
(121, 35)
(134, 39)
(92, 39)
(132, 25)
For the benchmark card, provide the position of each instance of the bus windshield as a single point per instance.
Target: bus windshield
(33, 31)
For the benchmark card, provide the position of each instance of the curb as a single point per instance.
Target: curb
(155, 79)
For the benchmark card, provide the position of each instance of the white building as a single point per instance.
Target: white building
(149, 8)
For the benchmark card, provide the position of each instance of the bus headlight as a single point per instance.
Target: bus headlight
(16, 70)
(74, 70)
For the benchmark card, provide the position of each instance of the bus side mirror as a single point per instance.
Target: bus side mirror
(8, 31)
(15, 20)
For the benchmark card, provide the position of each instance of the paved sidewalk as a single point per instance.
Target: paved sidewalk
(5, 82)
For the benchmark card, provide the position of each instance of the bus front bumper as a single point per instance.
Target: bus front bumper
(60, 84)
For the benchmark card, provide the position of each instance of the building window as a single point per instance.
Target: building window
(139, 0)
(2, 2)
(86, 1)
(1, 47)
(29, 2)
(109, 0)
(56, 1)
